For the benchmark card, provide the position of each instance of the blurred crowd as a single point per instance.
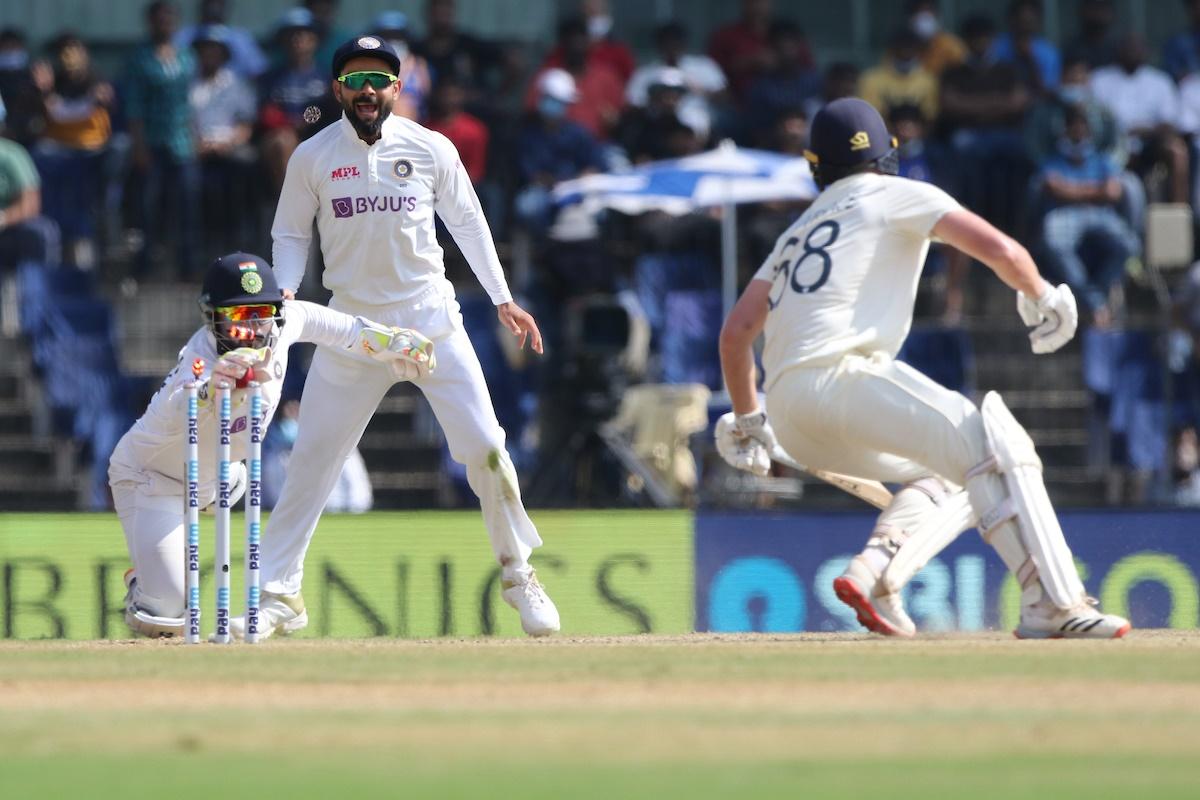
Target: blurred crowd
(146, 174)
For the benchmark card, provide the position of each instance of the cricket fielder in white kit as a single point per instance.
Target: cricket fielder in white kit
(834, 300)
(373, 182)
(247, 332)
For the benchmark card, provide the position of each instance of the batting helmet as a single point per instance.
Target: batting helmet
(846, 134)
(240, 279)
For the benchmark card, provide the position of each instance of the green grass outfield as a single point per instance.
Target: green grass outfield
(814, 715)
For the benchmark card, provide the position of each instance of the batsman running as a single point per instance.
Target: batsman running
(248, 328)
(835, 300)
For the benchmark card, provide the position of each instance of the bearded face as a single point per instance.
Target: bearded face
(368, 107)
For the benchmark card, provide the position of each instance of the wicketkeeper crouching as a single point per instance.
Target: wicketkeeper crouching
(247, 331)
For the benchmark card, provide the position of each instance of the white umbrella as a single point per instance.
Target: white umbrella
(722, 177)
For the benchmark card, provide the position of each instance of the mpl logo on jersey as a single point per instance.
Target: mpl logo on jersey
(343, 173)
(344, 207)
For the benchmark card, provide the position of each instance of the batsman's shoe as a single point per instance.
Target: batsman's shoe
(539, 616)
(883, 614)
(277, 613)
(1084, 621)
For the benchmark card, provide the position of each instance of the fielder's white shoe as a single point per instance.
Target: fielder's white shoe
(277, 613)
(539, 616)
(1084, 621)
(883, 614)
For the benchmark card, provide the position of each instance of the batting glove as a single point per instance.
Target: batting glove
(745, 441)
(1054, 317)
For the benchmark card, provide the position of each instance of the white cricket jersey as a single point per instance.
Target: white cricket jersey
(374, 206)
(156, 443)
(844, 275)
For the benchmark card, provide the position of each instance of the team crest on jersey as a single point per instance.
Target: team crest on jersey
(252, 282)
(368, 42)
(403, 168)
(860, 141)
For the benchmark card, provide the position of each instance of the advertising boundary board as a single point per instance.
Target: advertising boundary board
(387, 574)
(774, 572)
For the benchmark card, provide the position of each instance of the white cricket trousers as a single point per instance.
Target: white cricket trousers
(341, 394)
(150, 507)
(872, 417)
(153, 524)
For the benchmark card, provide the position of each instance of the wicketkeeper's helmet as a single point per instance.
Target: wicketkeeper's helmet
(846, 134)
(239, 297)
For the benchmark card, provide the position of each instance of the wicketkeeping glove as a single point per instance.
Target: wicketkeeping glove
(1053, 317)
(746, 441)
(233, 366)
(407, 352)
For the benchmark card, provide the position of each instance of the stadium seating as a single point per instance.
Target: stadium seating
(72, 337)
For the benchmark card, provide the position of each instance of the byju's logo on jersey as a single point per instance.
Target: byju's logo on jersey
(344, 207)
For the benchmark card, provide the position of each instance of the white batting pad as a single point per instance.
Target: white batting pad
(1028, 505)
(940, 521)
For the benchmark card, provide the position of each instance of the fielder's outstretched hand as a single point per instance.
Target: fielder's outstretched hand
(522, 325)
(1054, 317)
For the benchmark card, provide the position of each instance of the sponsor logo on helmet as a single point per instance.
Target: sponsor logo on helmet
(252, 282)
(402, 168)
(860, 141)
(368, 42)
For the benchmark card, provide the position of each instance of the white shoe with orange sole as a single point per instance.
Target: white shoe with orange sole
(883, 614)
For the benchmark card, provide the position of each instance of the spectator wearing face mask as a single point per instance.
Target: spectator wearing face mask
(18, 90)
(1047, 123)
(600, 88)
(351, 494)
(416, 84)
(1086, 239)
(901, 79)
(603, 48)
(940, 49)
(553, 149)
